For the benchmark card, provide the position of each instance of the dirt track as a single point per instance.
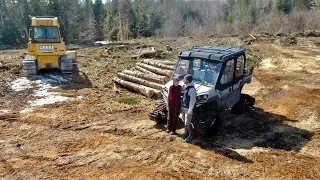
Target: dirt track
(98, 137)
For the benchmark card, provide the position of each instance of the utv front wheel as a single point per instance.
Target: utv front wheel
(209, 126)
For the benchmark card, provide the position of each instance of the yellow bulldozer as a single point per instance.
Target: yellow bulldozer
(46, 48)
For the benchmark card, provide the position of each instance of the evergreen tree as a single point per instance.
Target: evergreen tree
(228, 9)
(54, 8)
(85, 21)
(24, 20)
(142, 28)
(38, 7)
(87, 32)
(99, 14)
(302, 4)
(155, 22)
(112, 25)
(126, 20)
(284, 6)
(10, 34)
(269, 7)
(253, 11)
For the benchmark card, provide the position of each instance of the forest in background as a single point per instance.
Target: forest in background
(84, 21)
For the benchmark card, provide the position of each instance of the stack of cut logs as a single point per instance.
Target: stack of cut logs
(147, 78)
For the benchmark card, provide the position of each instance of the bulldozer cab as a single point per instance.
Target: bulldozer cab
(45, 29)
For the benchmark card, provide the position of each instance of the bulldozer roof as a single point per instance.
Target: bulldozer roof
(44, 17)
(44, 21)
(212, 52)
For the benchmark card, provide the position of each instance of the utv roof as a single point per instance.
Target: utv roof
(211, 52)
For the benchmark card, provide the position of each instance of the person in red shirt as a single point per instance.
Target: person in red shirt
(174, 106)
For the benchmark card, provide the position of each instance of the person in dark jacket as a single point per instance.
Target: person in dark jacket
(188, 104)
(174, 106)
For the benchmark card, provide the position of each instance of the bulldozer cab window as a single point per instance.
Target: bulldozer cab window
(51, 33)
(45, 34)
(39, 33)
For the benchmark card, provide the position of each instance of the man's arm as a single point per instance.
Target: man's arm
(192, 94)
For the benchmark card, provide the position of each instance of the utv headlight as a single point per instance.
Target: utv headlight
(202, 97)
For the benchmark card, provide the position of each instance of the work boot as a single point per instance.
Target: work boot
(185, 134)
(173, 133)
(190, 137)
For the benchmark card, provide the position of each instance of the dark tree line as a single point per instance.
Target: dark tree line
(84, 21)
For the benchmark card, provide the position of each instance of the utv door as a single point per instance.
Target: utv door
(226, 84)
(238, 78)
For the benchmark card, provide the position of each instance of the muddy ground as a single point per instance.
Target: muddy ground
(92, 135)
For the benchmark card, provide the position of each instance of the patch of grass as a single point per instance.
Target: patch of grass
(129, 100)
(108, 85)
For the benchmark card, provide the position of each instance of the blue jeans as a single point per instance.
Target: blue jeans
(187, 117)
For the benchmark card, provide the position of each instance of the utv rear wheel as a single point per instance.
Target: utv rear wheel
(243, 105)
(159, 113)
(209, 126)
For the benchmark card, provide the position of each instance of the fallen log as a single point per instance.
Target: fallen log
(150, 77)
(141, 69)
(172, 63)
(149, 92)
(147, 53)
(140, 81)
(158, 64)
(155, 69)
(252, 37)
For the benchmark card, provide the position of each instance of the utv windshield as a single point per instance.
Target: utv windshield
(45, 34)
(203, 70)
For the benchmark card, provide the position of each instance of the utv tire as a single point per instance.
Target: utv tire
(159, 113)
(243, 105)
(209, 126)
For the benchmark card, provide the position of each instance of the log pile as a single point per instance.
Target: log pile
(148, 77)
